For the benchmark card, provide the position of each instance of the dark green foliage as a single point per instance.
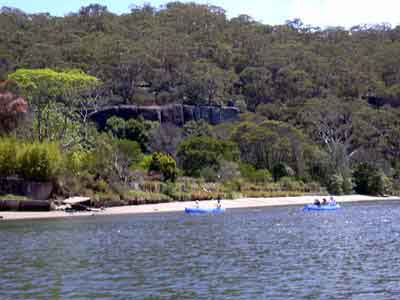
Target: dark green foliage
(129, 151)
(40, 162)
(249, 172)
(113, 158)
(197, 153)
(340, 184)
(8, 157)
(200, 128)
(282, 170)
(164, 164)
(194, 53)
(370, 180)
(271, 143)
(290, 184)
(317, 102)
(132, 129)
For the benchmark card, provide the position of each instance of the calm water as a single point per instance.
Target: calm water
(272, 253)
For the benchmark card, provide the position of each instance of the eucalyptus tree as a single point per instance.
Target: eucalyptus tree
(58, 100)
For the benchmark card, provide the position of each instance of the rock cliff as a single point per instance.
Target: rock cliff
(177, 114)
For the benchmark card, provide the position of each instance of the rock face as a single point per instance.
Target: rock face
(33, 190)
(177, 114)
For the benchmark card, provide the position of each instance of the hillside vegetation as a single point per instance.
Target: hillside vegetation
(319, 107)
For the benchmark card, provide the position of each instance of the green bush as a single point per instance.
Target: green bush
(144, 164)
(209, 174)
(281, 170)
(138, 197)
(197, 153)
(370, 180)
(133, 129)
(40, 162)
(348, 185)
(165, 165)
(250, 173)
(335, 185)
(289, 184)
(8, 157)
(168, 189)
(75, 161)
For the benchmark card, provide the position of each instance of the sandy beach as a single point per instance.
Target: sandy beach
(180, 206)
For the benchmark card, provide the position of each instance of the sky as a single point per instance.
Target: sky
(322, 13)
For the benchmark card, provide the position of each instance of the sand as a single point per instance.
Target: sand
(180, 206)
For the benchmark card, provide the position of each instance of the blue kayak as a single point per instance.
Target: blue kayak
(202, 211)
(328, 207)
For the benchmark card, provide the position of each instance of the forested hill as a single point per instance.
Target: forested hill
(318, 105)
(195, 54)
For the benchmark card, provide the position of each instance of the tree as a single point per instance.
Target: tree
(197, 128)
(126, 153)
(164, 164)
(133, 129)
(370, 180)
(197, 153)
(40, 162)
(165, 139)
(331, 123)
(207, 84)
(44, 87)
(271, 143)
(112, 159)
(257, 86)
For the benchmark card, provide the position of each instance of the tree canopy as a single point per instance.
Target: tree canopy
(193, 53)
(317, 104)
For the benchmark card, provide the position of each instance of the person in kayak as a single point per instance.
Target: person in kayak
(317, 202)
(197, 204)
(332, 201)
(324, 201)
(219, 203)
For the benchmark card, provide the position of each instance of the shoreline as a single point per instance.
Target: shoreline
(180, 206)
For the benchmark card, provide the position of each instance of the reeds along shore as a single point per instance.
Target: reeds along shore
(180, 206)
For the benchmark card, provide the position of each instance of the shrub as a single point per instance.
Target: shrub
(197, 153)
(250, 173)
(138, 197)
(75, 161)
(348, 185)
(370, 180)
(380, 184)
(133, 129)
(289, 184)
(168, 189)
(281, 170)
(113, 158)
(197, 128)
(127, 152)
(8, 157)
(228, 170)
(164, 164)
(144, 164)
(335, 185)
(40, 162)
(209, 174)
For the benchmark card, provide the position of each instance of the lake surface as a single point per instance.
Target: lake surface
(269, 253)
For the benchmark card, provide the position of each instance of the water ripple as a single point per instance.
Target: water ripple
(272, 253)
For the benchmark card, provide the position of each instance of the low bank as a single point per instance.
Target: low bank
(180, 206)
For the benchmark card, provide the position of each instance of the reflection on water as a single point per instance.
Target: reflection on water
(272, 253)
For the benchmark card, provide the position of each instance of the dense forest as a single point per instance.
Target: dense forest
(319, 107)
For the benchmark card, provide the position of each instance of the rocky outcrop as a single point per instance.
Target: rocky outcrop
(177, 114)
(20, 187)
